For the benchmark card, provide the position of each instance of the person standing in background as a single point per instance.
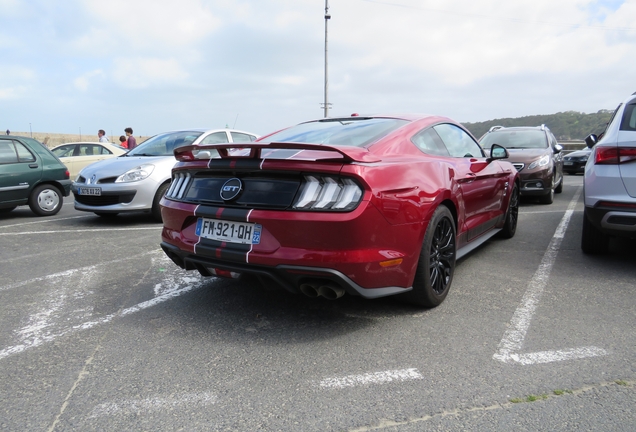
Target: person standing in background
(132, 142)
(102, 136)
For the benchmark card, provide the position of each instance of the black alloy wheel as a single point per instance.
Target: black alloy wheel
(436, 265)
(512, 215)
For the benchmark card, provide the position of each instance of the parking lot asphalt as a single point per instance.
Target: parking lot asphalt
(100, 331)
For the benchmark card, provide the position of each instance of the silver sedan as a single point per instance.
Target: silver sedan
(137, 180)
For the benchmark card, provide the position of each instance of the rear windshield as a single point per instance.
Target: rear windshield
(515, 139)
(356, 132)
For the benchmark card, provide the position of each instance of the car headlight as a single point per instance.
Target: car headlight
(136, 174)
(540, 162)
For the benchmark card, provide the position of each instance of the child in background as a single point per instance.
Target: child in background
(123, 141)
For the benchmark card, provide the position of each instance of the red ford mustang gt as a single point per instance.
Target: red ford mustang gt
(370, 206)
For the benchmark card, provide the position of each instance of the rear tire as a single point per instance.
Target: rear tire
(436, 265)
(512, 215)
(593, 241)
(156, 208)
(45, 200)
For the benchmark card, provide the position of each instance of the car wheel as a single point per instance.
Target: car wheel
(436, 265)
(106, 215)
(559, 188)
(512, 215)
(549, 197)
(7, 210)
(45, 200)
(156, 209)
(593, 241)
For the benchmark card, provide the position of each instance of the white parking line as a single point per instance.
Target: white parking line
(52, 321)
(542, 211)
(514, 337)
(73, 271)
(81, 230)
(137, 406)
(371, 378)
(45, 221)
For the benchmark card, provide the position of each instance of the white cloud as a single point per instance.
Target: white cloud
(83, 82)
(138, 73)
(264, 60)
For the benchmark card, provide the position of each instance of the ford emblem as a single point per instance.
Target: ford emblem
(231, 189)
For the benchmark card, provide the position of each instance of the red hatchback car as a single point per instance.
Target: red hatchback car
(370, 206)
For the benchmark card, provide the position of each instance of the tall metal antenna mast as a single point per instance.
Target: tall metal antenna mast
(326, 103)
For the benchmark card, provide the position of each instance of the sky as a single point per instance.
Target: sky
(259, 65)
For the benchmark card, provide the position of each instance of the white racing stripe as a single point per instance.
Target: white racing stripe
(514, 337)
(371, 378)
(138, 406)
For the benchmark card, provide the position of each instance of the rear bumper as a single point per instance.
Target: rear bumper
(358, 250)
(289, 277)
(613, 221)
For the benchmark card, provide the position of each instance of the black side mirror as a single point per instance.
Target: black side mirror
(498, 152)
(591, 140)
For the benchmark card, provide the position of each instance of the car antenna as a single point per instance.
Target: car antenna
(234, 125)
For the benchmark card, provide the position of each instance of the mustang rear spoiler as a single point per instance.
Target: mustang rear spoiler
(345, 154)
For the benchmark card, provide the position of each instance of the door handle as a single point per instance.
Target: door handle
(33, 165)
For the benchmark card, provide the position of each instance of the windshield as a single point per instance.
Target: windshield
(356, 132)
(516, 139)
(164, 144)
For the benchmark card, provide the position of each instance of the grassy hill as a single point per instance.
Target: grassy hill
(569, 125)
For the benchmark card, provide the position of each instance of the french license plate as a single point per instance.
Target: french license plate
(568, 163)
(229, 231)
(89, 191)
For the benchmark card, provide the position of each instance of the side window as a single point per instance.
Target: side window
(241, 137)
(85, 150)
(24, 155)
(458, 142)
(103, 150)
(64, 151)
(430, 143)
(215, 138)
(629, 118)
(7, 152)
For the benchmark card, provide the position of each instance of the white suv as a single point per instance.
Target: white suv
(609, 187)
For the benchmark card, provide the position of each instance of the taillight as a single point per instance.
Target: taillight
(614, 155)
(67, 174)
(328, 193)
(180, 182)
